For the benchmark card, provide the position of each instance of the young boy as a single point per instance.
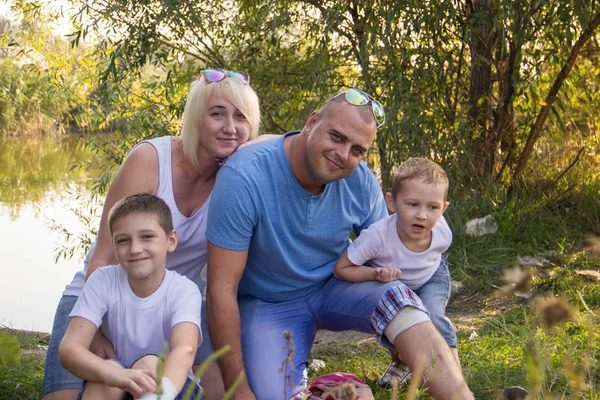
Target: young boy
(139, 305)
(409, 246)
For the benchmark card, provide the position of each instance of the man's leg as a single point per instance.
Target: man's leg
(276, 342)
(211, 381)
(59, 384)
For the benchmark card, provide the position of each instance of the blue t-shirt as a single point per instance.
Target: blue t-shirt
(293, 237)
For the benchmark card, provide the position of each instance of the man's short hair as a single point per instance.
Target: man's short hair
(142, 203)
(365, 112)
(422, 169)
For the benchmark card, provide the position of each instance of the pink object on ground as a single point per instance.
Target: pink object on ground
(331, 385)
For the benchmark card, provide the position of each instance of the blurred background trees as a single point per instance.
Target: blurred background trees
(502, 93)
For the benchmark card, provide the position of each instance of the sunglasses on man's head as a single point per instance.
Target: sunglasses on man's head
(359, 98)
(217, 75)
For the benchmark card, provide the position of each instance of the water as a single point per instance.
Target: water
(39, 183)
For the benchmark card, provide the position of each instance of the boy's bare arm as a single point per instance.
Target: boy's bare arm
(76, 357)
(348, 271)
(184, 342)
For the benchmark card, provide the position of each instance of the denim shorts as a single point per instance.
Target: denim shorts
(277, 337)
(196, 391)
(435, 294)
(57, 378)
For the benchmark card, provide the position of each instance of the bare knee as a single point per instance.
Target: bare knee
(212, 382)
(147, 362)
(100, 391)
(67, 394)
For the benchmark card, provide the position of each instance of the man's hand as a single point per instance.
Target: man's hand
(243, 392)
(386, 274)
(102, 347)
(134, 381)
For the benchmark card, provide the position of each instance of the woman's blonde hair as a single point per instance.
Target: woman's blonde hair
(243, 97)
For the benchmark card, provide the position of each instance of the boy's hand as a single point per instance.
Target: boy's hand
(386, 274)
(134, 381)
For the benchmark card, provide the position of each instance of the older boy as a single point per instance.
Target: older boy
(409, 246)
(139, 305)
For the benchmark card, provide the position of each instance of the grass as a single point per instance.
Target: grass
(514, 344)
(22, 378)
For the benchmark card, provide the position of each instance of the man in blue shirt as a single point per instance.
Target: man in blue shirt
(281, 214)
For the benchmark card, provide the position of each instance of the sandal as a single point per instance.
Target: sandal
(396, 371)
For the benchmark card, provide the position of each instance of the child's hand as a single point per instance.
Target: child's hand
(134, 381)
(386, 274)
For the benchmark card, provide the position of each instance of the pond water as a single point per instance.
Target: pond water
(42, 181)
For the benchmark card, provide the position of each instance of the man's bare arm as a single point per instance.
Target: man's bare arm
(225, 269)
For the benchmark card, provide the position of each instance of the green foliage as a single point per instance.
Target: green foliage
(129, 71)
(23, 379)
(413, 56)
(9, 349)
(531, 221)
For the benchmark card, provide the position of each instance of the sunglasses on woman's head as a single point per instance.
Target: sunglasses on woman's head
(217, 75)
(359, 98)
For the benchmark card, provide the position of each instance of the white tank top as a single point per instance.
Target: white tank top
(189, 258)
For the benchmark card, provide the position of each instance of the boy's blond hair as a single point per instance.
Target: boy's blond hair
(142, 203)
(422, 169)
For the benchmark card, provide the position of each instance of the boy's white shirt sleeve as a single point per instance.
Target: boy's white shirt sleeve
(92, 304)
(187, 305)
(367, 246)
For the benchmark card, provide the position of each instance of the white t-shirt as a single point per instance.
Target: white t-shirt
(381, 246)
(137, 326)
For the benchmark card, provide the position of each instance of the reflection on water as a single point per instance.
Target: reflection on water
(32, 166)
(42, 179)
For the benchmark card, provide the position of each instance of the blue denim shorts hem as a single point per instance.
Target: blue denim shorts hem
(55, 376)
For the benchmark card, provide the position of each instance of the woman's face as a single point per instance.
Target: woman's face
(222, 128)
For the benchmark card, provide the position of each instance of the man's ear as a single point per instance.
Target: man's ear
(312, 120)
(389, 200)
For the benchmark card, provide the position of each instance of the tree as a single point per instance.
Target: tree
(462, 81)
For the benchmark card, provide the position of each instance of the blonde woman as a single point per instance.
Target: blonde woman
(221, 113)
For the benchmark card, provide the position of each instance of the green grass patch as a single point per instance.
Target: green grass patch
(21, 378)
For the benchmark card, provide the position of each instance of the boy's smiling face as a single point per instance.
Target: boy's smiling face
(141, 246)
(418, 205)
